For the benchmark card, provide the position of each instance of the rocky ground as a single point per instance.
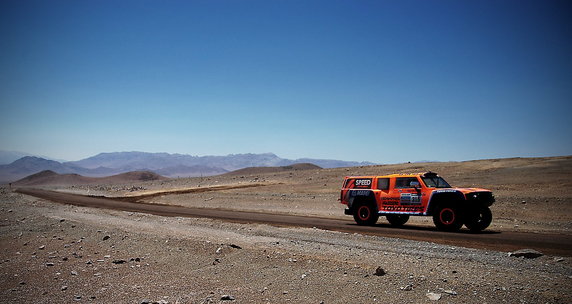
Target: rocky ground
(53, 253)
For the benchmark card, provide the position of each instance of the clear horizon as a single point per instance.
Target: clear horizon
(280, 156)
(373, 81)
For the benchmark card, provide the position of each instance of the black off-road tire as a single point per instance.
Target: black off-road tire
(397, 220)
(365, 214)
(448, 217)
(478, 219)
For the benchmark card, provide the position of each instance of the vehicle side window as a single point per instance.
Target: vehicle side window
(383, 183)
(348, 182)
(404, 182)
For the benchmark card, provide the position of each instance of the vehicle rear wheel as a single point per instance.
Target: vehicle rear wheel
(479, 219)
(397, 219)
(365, 214)
(448, 217)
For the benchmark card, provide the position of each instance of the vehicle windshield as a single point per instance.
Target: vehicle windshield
(435, 182)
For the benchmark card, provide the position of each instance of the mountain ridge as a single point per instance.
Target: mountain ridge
(165, 164)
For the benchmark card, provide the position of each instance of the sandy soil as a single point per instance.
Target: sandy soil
(53, 253)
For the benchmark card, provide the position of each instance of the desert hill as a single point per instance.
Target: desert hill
(189, 171)
(51, 178)
(29, 165)
(266, 170)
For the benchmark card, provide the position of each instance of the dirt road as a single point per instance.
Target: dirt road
(554, 244)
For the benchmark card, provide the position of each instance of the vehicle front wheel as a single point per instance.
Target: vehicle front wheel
(448, 217)
(479, 219)
(397, 219)
(365, 214)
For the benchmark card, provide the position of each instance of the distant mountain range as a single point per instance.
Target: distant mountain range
(165, 164)
(7, 157)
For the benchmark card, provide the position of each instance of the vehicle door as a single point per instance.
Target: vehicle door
(408, 190)
(387, 202)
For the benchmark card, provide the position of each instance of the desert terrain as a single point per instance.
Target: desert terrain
(61, 253)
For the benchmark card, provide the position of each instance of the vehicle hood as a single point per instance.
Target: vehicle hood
(462, 190)
(471, 190)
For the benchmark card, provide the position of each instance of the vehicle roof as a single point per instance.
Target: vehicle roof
(391, 175)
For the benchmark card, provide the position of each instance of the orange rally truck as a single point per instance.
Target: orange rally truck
(399, 196)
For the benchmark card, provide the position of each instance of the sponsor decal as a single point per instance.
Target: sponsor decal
(359, 193)
(410, 198)
(390, 200)
(403, 208)
(363, 183)
(445, 191)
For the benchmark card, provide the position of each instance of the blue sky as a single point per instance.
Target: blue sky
(380, 81)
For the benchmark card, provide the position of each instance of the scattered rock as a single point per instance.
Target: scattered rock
(64, 288)
(216, 261)
(379, 272)
(227, 298)
(433, 296)
(119, 261)
(77, 298)
(74, 273)
(235, 246)
(218, 250)
(105, 238)
(448, 291)
(49, 264)
(526, 253)
(409, 287)
(42, 247)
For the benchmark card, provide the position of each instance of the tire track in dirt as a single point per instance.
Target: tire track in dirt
(553, 244)
(151, 194)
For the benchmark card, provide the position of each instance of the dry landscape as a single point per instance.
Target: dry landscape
(59, 253)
